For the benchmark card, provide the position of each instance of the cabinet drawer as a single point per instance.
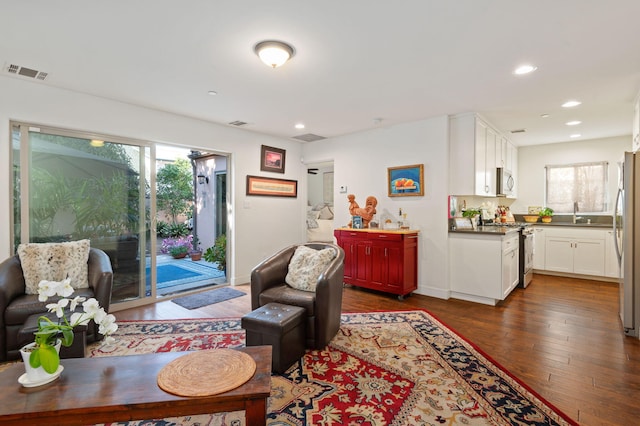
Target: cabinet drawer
(386, 237)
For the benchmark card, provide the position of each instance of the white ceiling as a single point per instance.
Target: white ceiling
(355, 61)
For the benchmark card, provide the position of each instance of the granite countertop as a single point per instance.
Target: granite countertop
(487, 230)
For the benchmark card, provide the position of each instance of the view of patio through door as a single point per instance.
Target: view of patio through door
(71, 186)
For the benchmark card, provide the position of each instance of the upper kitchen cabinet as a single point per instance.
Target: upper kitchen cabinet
(476, 151)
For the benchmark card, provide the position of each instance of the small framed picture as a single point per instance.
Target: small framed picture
(405, 181)
(272, 159)
(356, 222)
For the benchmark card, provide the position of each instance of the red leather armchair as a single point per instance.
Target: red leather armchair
(16, 306)
(322, 307)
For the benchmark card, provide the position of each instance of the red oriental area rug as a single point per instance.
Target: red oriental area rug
(383, 368)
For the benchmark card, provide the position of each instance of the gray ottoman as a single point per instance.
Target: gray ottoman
(282, 327)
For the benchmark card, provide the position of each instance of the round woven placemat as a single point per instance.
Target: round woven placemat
(206, 373)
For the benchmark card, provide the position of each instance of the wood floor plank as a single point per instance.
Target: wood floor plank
(561, 336)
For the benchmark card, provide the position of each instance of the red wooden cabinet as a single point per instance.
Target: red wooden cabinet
(380, 260)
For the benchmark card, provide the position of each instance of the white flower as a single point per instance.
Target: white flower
(65, 289)
(58, 308)
(91, 307)
(46, 289)
(79, 318)
(108, 325)
(109, 340)
(75, 301)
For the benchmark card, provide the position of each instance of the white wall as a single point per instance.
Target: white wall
(360, 163)
(259, 225)
(533, 159)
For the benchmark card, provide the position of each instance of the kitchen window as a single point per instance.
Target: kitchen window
(584, 183)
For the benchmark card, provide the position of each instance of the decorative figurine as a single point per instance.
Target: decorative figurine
(366, 213)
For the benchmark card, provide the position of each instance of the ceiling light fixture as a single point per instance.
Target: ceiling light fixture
(575, 135)
(299, 126)
(525, 69)
(573, 123)
(212, 92)
(571, 104)
(274, 53)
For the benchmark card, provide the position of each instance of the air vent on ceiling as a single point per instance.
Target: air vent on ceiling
(26, 72)
(237, 123)
(309, 137)
(519, 131)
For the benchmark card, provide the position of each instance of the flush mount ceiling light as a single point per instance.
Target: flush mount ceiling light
(299, 126)
(525, 69)
(274, 53)
(573, 123)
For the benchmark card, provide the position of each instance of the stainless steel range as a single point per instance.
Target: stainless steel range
(525, 264)
(526, 255)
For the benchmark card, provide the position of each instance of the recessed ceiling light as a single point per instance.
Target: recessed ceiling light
(299, 126)
(545, 115)
(212, 92)
(571, 104)
(575, 135)
(573, 123)
(525, 69)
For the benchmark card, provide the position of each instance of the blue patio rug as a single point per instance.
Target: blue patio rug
(182, 272)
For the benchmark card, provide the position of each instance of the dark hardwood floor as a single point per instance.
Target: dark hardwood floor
(560, 336)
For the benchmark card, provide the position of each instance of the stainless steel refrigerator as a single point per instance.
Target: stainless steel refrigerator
(626, 227)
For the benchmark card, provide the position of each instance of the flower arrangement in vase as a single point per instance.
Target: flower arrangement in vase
(177, 247)
(44, 351)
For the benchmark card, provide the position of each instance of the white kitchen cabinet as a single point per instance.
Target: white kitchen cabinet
(510, 259)
(538, 248)
(575, 251)
(472, 149)
(611, 266)
(483, 267)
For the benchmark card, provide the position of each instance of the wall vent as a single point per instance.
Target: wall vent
(519, 131)
(309, 137)
(237, 123)
(26, 72)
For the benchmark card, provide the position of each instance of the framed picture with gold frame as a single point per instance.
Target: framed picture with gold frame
(405, 181)
(257, 185)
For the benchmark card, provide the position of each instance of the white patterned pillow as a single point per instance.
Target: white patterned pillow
(306, 265)
(54, 262)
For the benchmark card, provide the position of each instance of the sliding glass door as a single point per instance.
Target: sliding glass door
(69, 186)
(132, 199)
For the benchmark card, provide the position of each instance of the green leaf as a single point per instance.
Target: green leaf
(67, 337)
(34, 358)
(49, 358)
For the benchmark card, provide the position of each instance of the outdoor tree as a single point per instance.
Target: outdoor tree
(175, 188)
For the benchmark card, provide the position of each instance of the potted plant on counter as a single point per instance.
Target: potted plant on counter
(546, 214)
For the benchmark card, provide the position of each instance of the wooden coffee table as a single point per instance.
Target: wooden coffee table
(109, 389)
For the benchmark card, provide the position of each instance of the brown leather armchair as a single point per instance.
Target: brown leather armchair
(16, 306)
(323, 308)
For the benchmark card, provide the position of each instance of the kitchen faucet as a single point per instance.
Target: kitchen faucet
(575, 209)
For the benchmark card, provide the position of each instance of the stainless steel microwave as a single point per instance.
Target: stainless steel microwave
(505, 183)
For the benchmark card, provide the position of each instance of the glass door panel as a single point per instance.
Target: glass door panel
(79, 188)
